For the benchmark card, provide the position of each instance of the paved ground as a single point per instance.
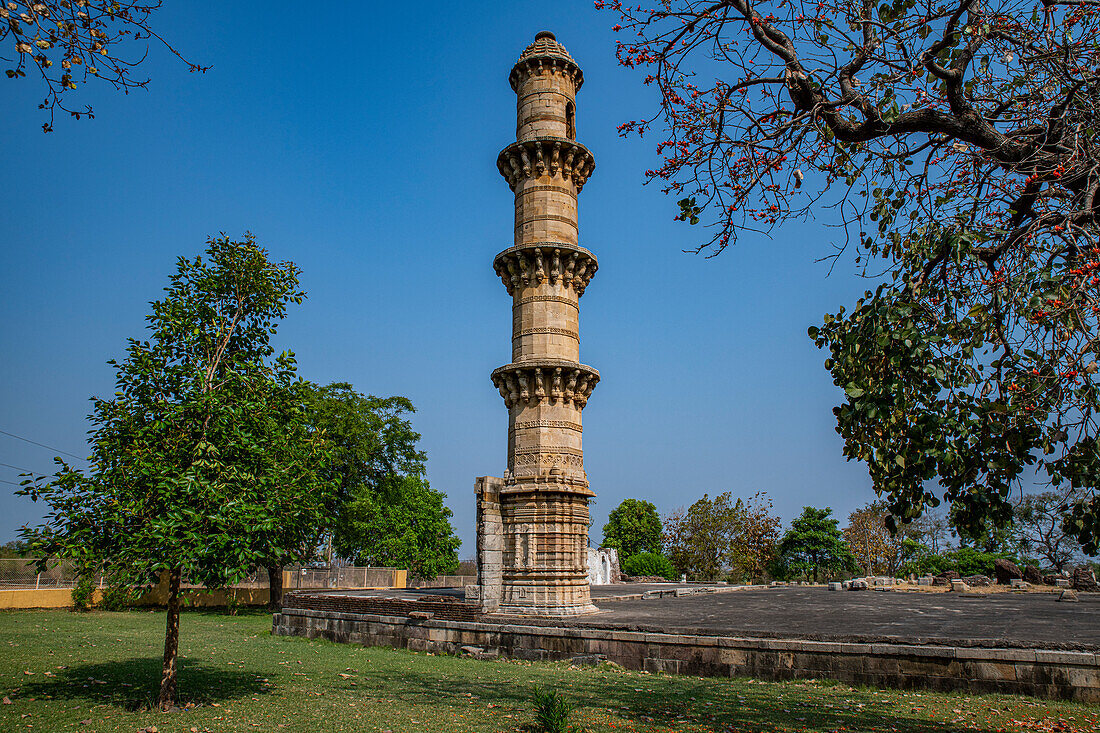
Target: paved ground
(1000, 619)
(1003, 619)
(598, 591)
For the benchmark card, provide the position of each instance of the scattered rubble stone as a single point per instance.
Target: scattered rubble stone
(1032, 575)
(643, 579)
(1006, 571)
(1084, 579)
(1068, 595)
(978, 581)
(945, 578)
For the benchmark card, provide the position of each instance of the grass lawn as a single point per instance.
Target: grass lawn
(65, 671)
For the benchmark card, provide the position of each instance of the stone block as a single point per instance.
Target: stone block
(588, 660)
(836, 586)
(667, 666)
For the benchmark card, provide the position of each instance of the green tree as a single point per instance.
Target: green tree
(649, 564)
(202, 463)
(754, 543)
(297, 456)
(700, 540)
(66, 43)
(633, 527)
(958, 144)
(813, 545)
(404, 525)
(874, 545)
(383, 511)
(1041, 519)
(15, 548)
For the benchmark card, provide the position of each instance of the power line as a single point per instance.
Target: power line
(2, 481)
(17, 468)
(42, 445)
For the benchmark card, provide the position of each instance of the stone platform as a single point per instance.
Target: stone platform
(1016, 643)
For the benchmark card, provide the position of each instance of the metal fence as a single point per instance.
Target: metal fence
(22, 573)
(346, 577)
(444, 581)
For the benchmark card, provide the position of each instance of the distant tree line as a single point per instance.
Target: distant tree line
(741, 540)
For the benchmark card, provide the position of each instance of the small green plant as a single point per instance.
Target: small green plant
(84, 592)
(118, 597)
(232, 605)
(552, 712)
(649, 563)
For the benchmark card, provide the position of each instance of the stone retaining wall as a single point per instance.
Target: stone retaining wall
(1050, 674)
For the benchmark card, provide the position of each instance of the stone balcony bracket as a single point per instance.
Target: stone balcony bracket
(546, 156)
(545, 381)
(534, 263)
(537, 64)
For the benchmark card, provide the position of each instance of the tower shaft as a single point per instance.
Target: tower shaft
(544, 499)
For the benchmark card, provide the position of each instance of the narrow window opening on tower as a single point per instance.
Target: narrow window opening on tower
(570, 121)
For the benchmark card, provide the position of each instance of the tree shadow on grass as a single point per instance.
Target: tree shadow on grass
(133, 684)
(671, 701)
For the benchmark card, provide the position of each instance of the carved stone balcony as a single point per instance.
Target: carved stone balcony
(532, 264)
(545, 381)
(546, 156)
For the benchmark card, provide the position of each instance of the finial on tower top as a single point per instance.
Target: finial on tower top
(545, 34)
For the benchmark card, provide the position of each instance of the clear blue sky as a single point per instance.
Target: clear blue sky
(360, 142)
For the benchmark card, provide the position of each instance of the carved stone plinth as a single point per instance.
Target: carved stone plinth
(543, 501)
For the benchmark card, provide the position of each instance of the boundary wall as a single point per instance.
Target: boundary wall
(1043, 673)
(248, 595)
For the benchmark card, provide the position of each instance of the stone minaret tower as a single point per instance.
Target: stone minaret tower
(543, 502)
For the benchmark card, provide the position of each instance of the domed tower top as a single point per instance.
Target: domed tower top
(545, 53)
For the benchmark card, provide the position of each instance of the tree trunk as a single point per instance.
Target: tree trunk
(275, 586)
(168, 683)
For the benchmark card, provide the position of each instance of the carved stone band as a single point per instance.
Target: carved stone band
(547, 330)
(546, 299)
(546, 156)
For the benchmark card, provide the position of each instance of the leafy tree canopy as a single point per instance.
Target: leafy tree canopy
(875, 547)
(649, 564)
(955, 144)
(633, 527)
(383, 512)
(814, 546)
(15, 548)
(1040, 519)
(716, 536)
(410, 530)
(371, 438)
